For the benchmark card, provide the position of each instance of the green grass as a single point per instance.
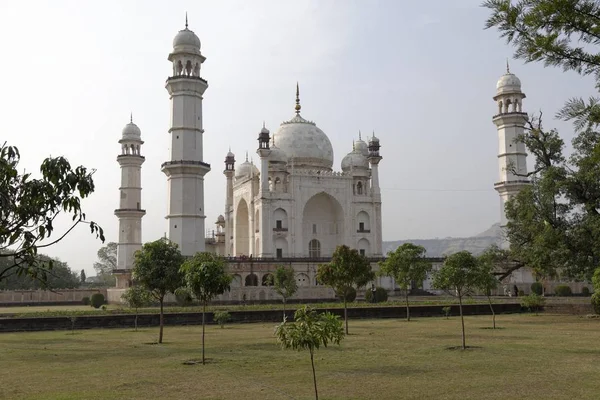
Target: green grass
(531, 357)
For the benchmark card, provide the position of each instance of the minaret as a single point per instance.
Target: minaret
(374, 159)
(512, 155)
(264, 228)
(186, 169)
(229, 172)
(130, 210)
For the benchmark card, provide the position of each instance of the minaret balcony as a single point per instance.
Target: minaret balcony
(185, 167)
(181, 77)
(130, 212)
(516, 182)
(510, 114)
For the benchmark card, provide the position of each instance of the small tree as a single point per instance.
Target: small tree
(487, 281)
(406, 265)
(284, 283)
(347, 269)
(156, 268)
(458, 275)
(309, 331)
(82, 276)
(205, 277)
(137, 297)
(220, 317)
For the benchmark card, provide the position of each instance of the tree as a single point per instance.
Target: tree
(554, 225)
(284, 283)
(59, 277)
(458, 275)
(137, 297)
(407, 264)
(347, 269)
(82, 276)
(28, 208)
(486, 280)
(156, 268)
(205, 278)
(309, 331)
(107, 262)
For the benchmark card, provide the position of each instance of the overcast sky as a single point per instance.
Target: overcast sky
(421, 74)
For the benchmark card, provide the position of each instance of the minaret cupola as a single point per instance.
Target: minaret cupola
(230, 161)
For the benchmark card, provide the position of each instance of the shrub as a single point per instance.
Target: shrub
(350, 295)
(596, 302)
(585, 291)
(183, 298)
(521, 293)
(533, 302)
(537, 288)
(86, 301)
(97, 300)
(220, 317)
(381, 295)
(563, 290)
(447, 311)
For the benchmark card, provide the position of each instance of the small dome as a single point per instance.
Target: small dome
(230, 154)
(132, 132)
(220, 219)
(361, 146)
(355, 160)
(186, 40)
(277, 155)
(508, 83)
(246, 169)
(374, 139)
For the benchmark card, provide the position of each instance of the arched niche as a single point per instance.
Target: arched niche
(242, 226)
(323, 220)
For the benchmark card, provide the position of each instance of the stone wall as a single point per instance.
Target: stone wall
(45, 297)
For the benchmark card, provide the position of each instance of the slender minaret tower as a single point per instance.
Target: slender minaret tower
(186, 169)
(374, 158)
(229, 172)
(130, 210)
(512, 155)
(264, 228)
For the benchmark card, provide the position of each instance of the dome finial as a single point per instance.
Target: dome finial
(186, 21)
(359, 135)
(131, 117)
(246, 155)
(264, 127)
(298, 106)
(507, 66)
(353, 145)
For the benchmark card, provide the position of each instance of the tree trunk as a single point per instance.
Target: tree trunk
(407, 308)
(284, 309)
(162, 321)
(135, 322)
(493, 313)
(345, 313)
(203, 312)
(312, 362)
(462, 320)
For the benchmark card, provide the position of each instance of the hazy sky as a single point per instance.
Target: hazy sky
(420, 73)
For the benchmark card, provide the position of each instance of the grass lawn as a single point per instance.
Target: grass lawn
(530, 357)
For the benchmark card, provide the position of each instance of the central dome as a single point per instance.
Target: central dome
(305, 145)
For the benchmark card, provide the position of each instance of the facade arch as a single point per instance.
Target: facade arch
(251, 280)
(302, 280)
(364, 247)
(281, 219)
(323, 220)
(281, 247)
(242, 229)
(363, 222)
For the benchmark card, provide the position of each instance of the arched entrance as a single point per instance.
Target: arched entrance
(323, 220)
(242, 229)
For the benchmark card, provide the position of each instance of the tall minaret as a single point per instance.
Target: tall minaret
(130, 210)
(229, 172)
(512, 155)
(185, 172)
(264, 228)
(374, 158)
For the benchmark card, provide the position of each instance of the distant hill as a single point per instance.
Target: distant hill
(441, 247)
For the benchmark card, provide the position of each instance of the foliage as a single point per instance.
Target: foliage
(137, 297)
(537, 288)
(183, 297)
(533, 302)
(486, 280)
(73, 320)
(447, 310)
(156, 268)
(97, 300)
(407, 265)
(347, 269)
(521, 292)
(563, 290)
(309, 331)
(82, 276)
(107, 262)
(460, 273)
(205, 277)
(284, 283)
(59, 276)
(381, 295)
(86, 301)
(347, 294)
(221, 317)
(596, 302)
(554, 225)
(28, 208)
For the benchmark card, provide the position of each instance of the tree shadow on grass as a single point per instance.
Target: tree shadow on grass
(394, 370)
(492, 328)
(198, 361)
(461, 348)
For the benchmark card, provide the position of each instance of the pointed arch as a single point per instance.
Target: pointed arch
(242, 229)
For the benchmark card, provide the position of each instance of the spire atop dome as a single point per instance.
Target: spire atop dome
(507, 66)
(131, 117)
(246, 155)
(359, 135)
(186, 21)
(298, 106)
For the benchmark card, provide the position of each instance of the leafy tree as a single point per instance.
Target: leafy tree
(221, 317)
(309, 331)
(554, 225)
(137, 297)
(107, 262)
(156, 268)
(407, 264)
(284, 283)
(82, 276)
(458, 275)
(60, 276)
(487, 281)
(347, 269)
(28, 208)
(205, 277)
